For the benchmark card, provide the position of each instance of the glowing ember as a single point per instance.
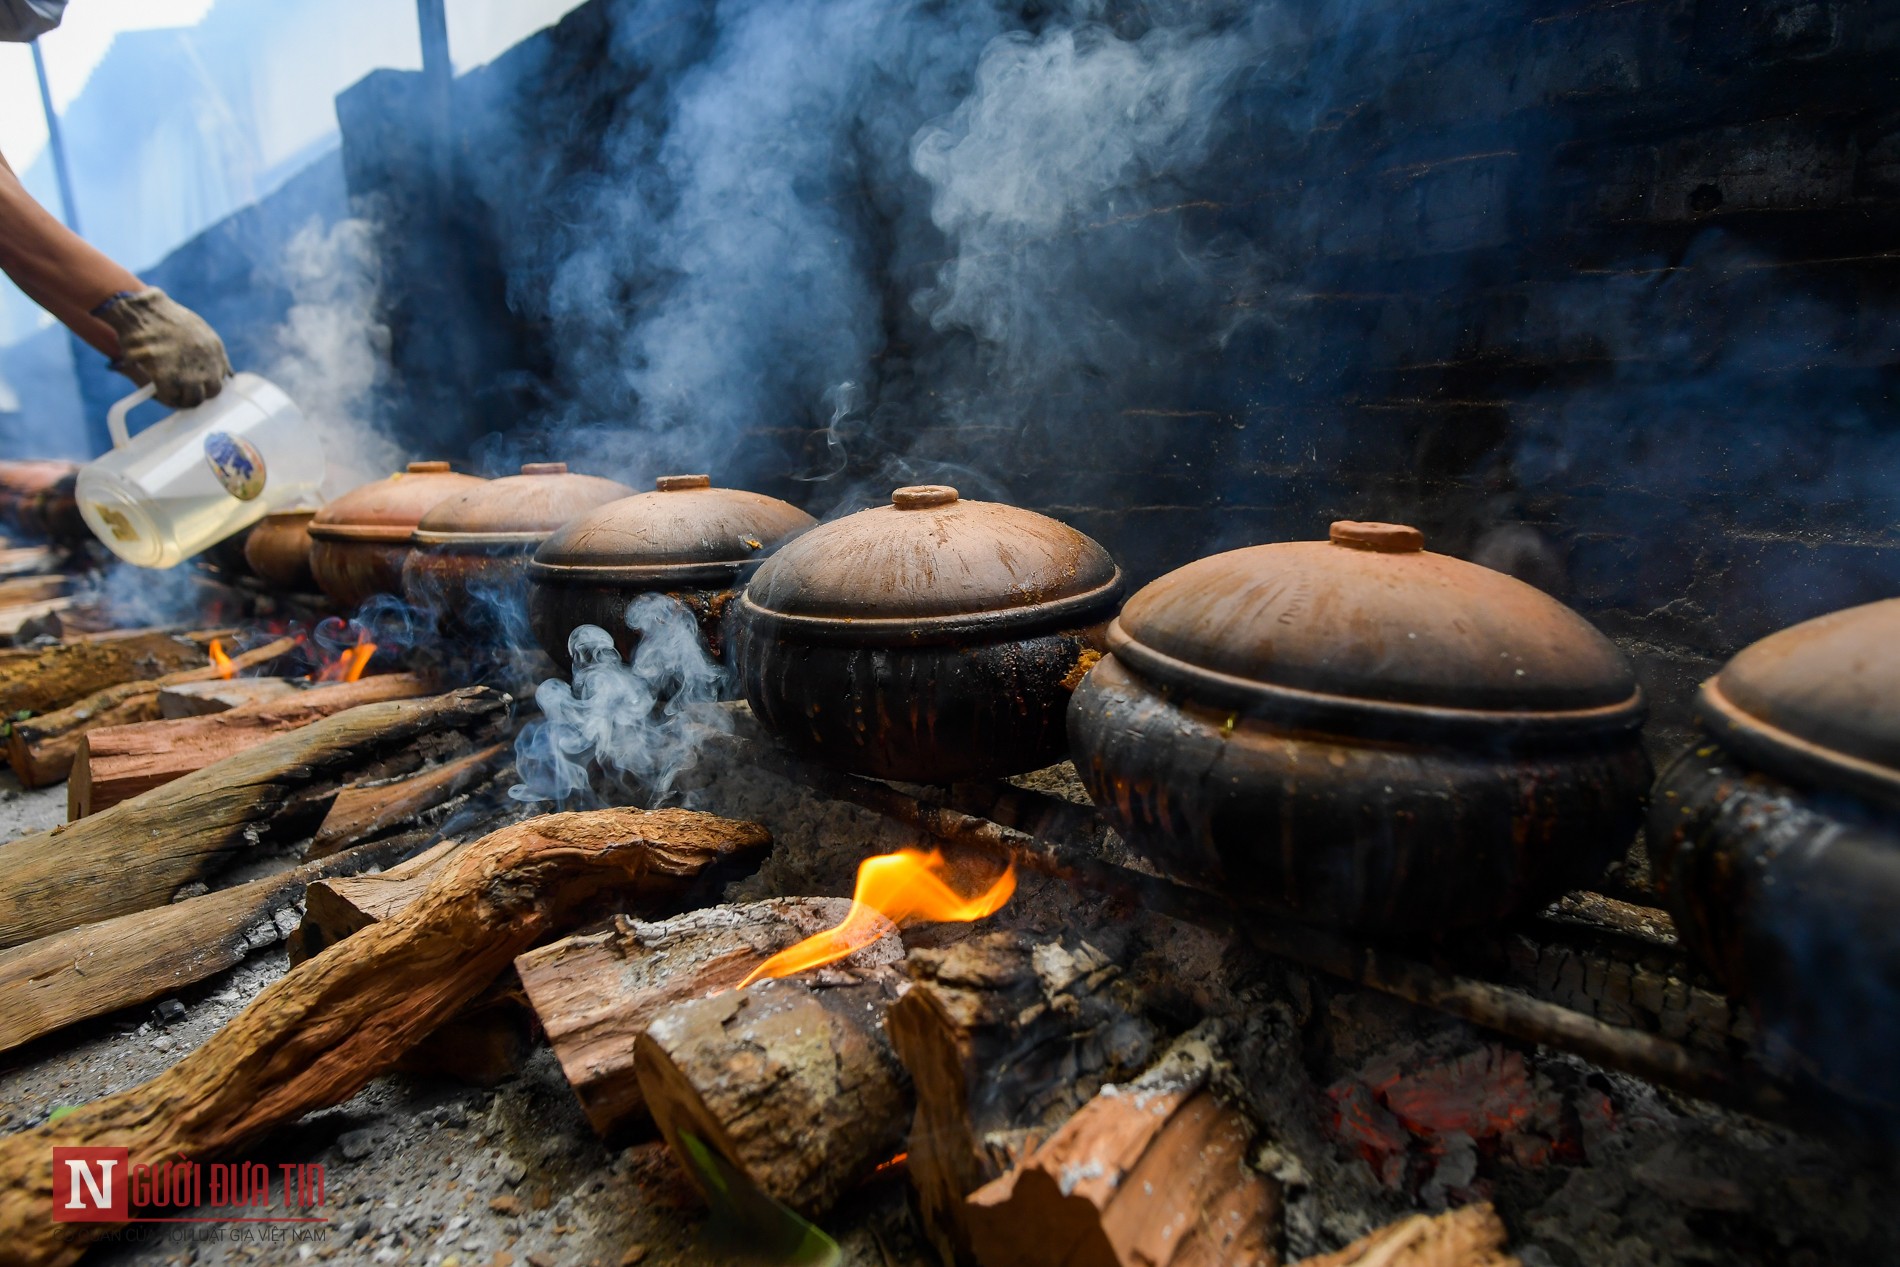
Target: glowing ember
(908, 884)
(220, 661)
(349, 665)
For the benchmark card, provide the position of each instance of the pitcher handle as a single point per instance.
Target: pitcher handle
(115, 416)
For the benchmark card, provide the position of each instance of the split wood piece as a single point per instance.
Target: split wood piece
(42, 749)
(39, 681)
(21, 591)
(137, 854)
(116, 763)
(219, 695)
(1153, 1174)
(94, 969)
(594, 993)
(791, 1082)
(333, 909)
(360, 813)
(30, 618)
(25, 560)
(1003, 1039)
(1470, 1236)
(319, 1034)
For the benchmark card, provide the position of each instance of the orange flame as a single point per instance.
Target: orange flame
(220, 661)
(908, 884)
(350, 665)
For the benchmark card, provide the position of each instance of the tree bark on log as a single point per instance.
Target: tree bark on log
(22, 560)
(1470, 1236)
(1153, 1174)
(318, 1035)
(116, 763)
(41, 749)
(94, 969)
(42, 680)
(360, 813)
(1004, 1040)
(790, 1081)
(333, 909)
(137, 854)
(595, 993)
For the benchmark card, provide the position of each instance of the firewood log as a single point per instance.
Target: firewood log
(98, 968)
(1470, 1236)
(1004, 1040)
(319, 1034)
(219, 695)
(335, 908)
(24, 560)
(790, 1081)
(19, 591)
(594, 993)
(41, 750)
(42, 680)
(30, 617)
(138, 853)
(115, 763)
(1153, 1174)
(360, 812)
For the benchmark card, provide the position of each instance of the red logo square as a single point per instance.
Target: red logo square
(91, 1185)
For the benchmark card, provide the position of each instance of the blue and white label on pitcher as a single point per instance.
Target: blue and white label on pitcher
(237, 464)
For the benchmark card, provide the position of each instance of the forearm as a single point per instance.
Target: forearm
(56, 267)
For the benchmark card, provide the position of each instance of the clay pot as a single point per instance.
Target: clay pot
(1777, 844)
(469, 563)
(1361, 734)
(277, 550)
(359, 541)
(686, 539)
(931, 640)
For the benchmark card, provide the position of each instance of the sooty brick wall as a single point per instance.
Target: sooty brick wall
(1601, 294)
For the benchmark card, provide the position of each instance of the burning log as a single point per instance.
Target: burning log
(362, 812)
(318, 1035)
(790, 1081)
(137, 854)
(220, 695)
(1471, 1236)
(116, 763)
(42, 750)
(94, 969)
(595, 993)
(38, 681)
(1003, 1040)
(1153, 1174)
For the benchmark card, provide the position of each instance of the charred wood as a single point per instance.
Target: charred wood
(792, 1082)
(319, 1034)
(115, 763)
(1151, 1174)
(138, 853)
(42, 749)
(1003, 1040)
(595, 993)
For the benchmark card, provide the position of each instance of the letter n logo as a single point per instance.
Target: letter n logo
(90, 1185)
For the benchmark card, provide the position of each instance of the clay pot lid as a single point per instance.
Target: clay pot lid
(389, 509)
(685, 531)
(516, 510)
(1817, 703)
(1368, 633)
(931, 565)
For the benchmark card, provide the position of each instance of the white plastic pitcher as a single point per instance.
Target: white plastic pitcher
(200, 475)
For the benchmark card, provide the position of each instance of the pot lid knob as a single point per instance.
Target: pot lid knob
(1377, 537)
(544, 468)
(674, 483)
(923, 496)
(428, 468)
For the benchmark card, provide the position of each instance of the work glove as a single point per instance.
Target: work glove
(166, 344)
